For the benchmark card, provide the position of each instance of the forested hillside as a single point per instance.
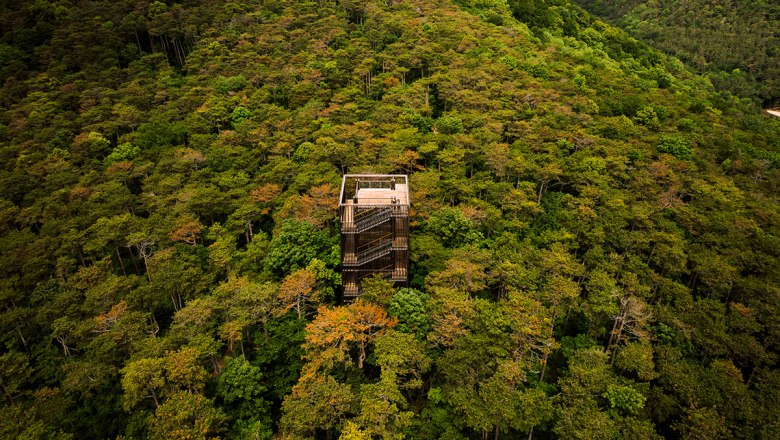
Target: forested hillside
(736, 43)
(595, 237)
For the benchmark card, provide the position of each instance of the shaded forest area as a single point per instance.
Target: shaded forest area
(735, 43)
(595, 229)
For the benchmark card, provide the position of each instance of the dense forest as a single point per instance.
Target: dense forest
(595, 229)
(735, 43)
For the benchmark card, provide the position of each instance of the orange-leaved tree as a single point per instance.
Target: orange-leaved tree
(296, 291)
(335, 331)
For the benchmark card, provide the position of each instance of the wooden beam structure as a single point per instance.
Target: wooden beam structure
(374, 213)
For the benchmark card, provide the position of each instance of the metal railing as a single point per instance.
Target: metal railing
(400, 243)
(399, 275)
(352, 183)
(369, 255)
(374, 253)
(375, 218)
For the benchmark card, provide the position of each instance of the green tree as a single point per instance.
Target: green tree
(410, 307)
(15, 371)
(294, 246)
(318, 403)
(186, 415)
(240, 387)
(143, 379)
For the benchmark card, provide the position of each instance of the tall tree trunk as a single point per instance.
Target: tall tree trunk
(542, 186)
(133, 260)
(121, 263)
(179, 50)
(546, 353)
(65, 348)
(138, 42)
(176, 50)
(165, 48)
(21, 336)
(16, 324)
(146, 265)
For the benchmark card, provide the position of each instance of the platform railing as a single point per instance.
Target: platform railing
(374, 253)
(373, 218)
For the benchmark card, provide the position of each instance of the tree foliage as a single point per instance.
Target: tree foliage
(594, 248)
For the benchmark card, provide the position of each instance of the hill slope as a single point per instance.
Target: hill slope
(595, 231)
(734, 42)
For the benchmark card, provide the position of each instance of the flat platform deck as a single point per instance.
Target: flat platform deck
(383, 196)
(374, 189)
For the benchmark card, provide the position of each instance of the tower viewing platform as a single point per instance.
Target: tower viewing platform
(374, 213)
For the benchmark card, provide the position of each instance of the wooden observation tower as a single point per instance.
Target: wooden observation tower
(374, 212)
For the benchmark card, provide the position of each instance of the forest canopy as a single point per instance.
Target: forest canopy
(734, 43)
(595, 229)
